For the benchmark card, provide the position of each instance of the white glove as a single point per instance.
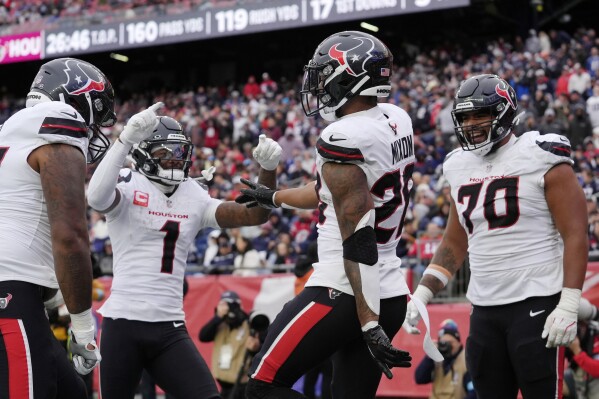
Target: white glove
(586, 310)
(560, 326)
(412, 315)
(86, 355)
(208, 174)
(140, 125)
(267, 153)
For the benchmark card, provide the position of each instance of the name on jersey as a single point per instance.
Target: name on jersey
(481, 179)
(402, 148)
(167, 215)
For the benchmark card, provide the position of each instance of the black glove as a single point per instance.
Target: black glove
(256, 195)
(384, 354)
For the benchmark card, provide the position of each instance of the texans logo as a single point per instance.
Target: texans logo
(350, 57)
(503, 92)
(79, 79)
(4, 301)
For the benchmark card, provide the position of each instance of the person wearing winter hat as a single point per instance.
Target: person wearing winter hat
(450, 378)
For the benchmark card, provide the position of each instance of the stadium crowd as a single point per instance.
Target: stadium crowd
(553, 73)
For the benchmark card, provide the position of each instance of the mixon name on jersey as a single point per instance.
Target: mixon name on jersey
(402, 148)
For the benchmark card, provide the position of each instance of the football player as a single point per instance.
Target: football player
(44, 242)
(354, 301)
(154, 213)
(519, 213)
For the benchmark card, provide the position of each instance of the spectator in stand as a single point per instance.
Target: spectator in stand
(592, 106)
(268, 86)
(251, 88)
(583, 353)
(211, 248)
(450, 378)
(290, 144)
(223, 261)
(563, 81)
(580, 81)
(247, 261)
(579, 126)
(592, 63)
(550, 124)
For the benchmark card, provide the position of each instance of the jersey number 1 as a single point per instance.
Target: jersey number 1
(171, 228)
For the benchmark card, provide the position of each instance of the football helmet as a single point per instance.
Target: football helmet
(345, 65)
(487, 95)
(165, 157)
(85, 88)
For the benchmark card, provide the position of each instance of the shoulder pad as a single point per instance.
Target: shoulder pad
(555, 144)
(338, 153)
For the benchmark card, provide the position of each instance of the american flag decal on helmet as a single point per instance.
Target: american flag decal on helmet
(385, 72)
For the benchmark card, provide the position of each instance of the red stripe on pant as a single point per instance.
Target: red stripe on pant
(18, 360)
(561, 351)
(287, 341)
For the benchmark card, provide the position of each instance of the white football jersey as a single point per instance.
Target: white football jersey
(515, 250)
(25, 241)
(151, 235)
(380, 142)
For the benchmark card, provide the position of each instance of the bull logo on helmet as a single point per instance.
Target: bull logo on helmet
(350, 58)
(79, 80)
(502, 90)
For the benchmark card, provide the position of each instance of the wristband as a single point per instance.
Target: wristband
(570, 299)
(83, 326)
(441, 273)
(369, 325)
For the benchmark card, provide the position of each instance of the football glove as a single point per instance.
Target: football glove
(383, 353)
(412, 315)
(140, 125)
(257, 195)
(267, 153)
(560, 326)
(86, 355)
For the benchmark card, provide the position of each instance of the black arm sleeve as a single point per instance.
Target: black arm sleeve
(424, 371)
(208, 332)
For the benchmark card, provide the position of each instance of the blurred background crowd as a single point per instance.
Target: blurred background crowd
(554, 73)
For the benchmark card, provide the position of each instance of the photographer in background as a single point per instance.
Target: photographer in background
(229, 329)
(450, 378)
(583, 353)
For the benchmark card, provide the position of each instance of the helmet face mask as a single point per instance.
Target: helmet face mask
(345, 65)
(164, 158)
(489, 104)
(86, 89)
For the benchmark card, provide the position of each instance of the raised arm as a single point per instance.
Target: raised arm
(102, 194)
(232, 214)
